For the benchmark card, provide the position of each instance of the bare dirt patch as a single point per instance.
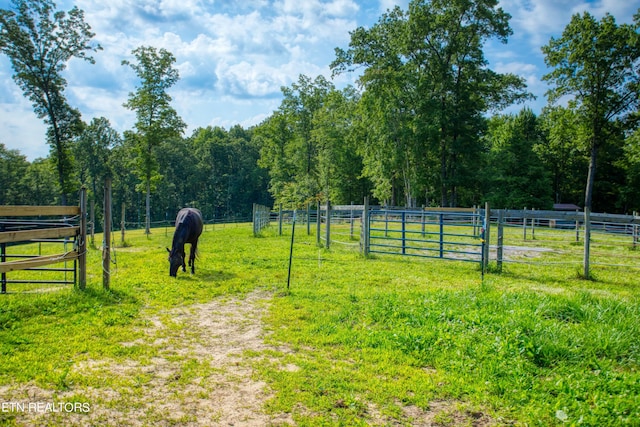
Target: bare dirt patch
(198, 375)
(197, 378)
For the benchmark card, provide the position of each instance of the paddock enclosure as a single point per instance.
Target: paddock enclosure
(36, 240)
(494, 238)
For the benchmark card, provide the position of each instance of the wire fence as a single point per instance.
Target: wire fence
(509, 237)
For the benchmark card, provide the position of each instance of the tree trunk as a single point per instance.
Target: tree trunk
(588, 196)
(147, 225)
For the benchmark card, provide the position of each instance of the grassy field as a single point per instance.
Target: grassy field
(378, 341)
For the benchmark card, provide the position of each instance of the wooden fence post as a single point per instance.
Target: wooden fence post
(487, 233)
(533, 224)
(82, 241)
(404, 233)
(365, 227)
(93, 223)
(328, 225)
(106, 249)
(635, 231)
(441, 220)
(123, 222)
(524, 223)
(280, 220)
(577, 228)
(255, 219)
(500, 238)
(318, 223)
(351, 223)
(308, 219)
(587, 241)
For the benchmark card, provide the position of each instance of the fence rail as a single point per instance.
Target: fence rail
(16, 232)
(427, 234)
(478, 234)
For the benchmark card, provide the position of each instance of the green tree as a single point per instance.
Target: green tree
(40, 183)
(515, 176)
(596, 64)
(631, 162)
(13, 167)
(274, 136)
(92, 152)
(288, 148)
(558, 149)
(426, 70)
(156, 120)
(339, 163)
(39, 41)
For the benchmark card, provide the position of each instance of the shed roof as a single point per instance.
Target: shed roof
(565, 207)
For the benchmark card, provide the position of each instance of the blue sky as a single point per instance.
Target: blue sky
(233, 56)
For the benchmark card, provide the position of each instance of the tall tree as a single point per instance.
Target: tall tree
(597, 64)
(515, 176)
(288, 148)
(339, 163)
(13, 167)
(564, 157)
(39, 41)
(428, 67)
(92, 152)
(156, 120)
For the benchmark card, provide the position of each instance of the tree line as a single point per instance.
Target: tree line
(423, 126)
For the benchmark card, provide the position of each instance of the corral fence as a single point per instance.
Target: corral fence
(43, 225)
(428, 233)
(478, 234)
(261, 218)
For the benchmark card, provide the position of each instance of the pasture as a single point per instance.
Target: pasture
(382, 340)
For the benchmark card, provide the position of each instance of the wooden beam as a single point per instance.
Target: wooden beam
(23, 264)
(27, 210)
(45, 233)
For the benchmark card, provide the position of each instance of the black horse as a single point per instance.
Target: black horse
(188, 229)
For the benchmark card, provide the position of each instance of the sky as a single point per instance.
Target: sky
(234, 56)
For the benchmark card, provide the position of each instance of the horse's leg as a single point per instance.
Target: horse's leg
(184, 267)
(192, 257)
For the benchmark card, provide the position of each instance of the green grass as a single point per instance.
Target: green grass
(369, 338)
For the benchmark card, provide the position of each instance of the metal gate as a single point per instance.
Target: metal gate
(455, 235)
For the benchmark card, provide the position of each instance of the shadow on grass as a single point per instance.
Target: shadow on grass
(18, 308)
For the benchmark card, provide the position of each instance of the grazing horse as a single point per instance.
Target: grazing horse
(188, 229)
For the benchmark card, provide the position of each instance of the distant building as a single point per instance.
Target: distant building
(566, 207)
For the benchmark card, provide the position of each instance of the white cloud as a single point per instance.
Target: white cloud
(233, 57)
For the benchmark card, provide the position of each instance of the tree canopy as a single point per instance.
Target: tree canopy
(39, 41)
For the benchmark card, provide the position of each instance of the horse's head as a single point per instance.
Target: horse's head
(176, 259)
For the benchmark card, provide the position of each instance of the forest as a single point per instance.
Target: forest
(423, 126)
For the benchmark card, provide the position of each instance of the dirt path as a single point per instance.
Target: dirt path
(197, 377)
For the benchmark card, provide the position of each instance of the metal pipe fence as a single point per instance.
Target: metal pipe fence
(444, 235)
